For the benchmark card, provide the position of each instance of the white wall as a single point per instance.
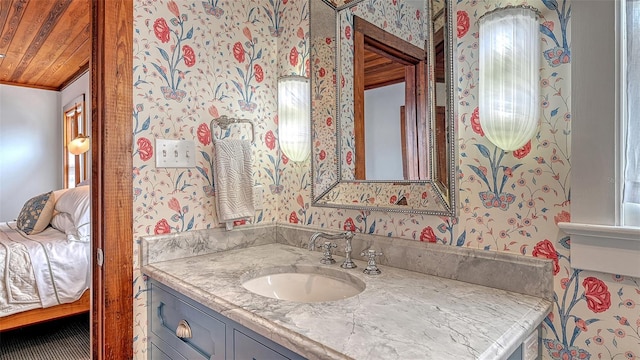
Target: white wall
(75, 89)
(383, 144)
(30, 146)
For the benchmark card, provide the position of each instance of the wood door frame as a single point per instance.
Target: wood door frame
(369, 37)
(111, 180)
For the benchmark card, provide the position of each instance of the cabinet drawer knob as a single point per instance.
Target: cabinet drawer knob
(183, 331)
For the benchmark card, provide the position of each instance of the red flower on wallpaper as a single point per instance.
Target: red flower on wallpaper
(293, 218)
(428, 235)
(322, 72)
(322, 155)
(564, 216)
(349, 225)
(258, 73)
(204, 134)
(238, 52)
(162, 227)
(328, 40)
(347, 32)
(270, 140)
(523, 151)
(393, 199)
(189, 55)
(329, 121)
(475, 122)
(213, 111)
(293, 56)
(597, 294)
(247, 33)
(285, 159)
(144, 149)
(174, 205)
(424, 195)
(161, 29)
(463, 23)
(349, 157)
(173, 8)
(300, 33)
(545, 249)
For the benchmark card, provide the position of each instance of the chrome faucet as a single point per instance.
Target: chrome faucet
(347, 235)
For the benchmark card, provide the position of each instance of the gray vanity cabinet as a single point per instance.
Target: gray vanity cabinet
(213, 336)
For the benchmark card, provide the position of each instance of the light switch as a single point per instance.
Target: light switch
(175, 153)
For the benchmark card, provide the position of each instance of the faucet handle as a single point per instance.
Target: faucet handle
(327, 258)
(372, 268)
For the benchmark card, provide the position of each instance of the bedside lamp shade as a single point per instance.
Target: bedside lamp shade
(79, 145)
(294, 124)
(509, 85)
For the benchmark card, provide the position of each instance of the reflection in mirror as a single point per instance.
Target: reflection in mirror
(350, 42)
(390, 73)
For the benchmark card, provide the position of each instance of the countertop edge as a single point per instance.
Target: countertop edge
(511, 340)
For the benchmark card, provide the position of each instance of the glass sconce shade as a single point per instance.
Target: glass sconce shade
(79, 145)
(509, 76)
(294, 124)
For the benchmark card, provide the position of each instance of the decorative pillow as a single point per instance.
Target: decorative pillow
(77, 203)
(36, 214)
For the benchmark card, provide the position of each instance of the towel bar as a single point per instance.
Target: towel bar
(223, 122)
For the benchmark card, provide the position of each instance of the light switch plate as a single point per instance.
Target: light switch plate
(175, 153)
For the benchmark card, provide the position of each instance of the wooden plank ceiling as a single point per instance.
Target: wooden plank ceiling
(46, 43)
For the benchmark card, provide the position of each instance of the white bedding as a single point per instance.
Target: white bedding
(40, 270)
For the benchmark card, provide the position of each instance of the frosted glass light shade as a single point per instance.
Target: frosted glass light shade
(509, 86)
(79, 145)
(294, 125)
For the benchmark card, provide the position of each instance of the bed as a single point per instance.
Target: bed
(45, 274)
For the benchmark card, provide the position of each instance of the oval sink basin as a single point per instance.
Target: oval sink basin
(304, 284)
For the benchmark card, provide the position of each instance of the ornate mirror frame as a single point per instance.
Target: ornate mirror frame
(333, 175)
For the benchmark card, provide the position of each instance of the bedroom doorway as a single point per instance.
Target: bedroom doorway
(111, 179)
(75, 143)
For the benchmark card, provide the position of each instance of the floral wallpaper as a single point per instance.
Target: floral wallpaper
(197, 60)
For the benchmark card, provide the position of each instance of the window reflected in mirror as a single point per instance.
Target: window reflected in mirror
(75, 159)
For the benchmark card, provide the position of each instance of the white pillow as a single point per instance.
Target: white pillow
(77, 203)
(58, 193)
(62, 221)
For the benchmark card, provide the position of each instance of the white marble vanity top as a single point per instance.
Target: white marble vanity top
(400, 315)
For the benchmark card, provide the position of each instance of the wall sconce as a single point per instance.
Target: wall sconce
(294, 124)
(79, 145)
(509, 76)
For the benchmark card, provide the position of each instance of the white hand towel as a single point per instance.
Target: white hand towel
(233, 175)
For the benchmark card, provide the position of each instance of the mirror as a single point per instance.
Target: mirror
(363, 54)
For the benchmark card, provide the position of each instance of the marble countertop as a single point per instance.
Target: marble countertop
(400, 315)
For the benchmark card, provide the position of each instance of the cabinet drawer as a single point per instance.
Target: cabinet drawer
(208, 334)
(245, 348)
(159, 350)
